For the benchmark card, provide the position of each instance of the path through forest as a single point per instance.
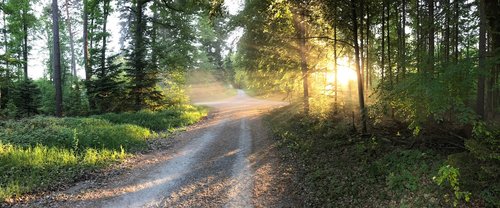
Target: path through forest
(229, 160)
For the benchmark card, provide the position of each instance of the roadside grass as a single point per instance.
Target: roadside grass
(42, 153)
(342, 169)
(167, 119)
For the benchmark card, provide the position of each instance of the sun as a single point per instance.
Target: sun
(345, 72)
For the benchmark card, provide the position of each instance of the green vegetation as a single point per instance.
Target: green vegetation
(167, 119)
(43, 152)
(340, 168)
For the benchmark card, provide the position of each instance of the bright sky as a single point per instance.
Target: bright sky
(39, 53)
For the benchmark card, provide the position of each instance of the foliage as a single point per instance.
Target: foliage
(107, 89)
(450, 176)
(28, 169)
(44, 152)
(26, 97)
(166, 119)
(90, 132)
(414, 98)
(341, 169)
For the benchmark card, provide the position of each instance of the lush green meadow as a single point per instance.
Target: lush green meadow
(41, 153)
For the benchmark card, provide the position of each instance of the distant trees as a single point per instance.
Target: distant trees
(158, 44)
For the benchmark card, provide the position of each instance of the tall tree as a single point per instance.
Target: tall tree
(300, 26)
(361, 96)
(482, 57)
(57, 58)
(71, 39)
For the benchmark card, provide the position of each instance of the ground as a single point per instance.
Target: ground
(229, 160)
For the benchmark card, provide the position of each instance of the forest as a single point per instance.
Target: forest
(391, 103)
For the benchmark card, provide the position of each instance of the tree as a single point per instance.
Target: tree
(482, 57)
(57, 58)
(357, 65)
(71, 39)
(143, 79)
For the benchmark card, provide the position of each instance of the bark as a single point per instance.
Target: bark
(389, 64)
(447, 32)
(482, 57)
(57, 58)
(104, 31)
(457, 16)
(303, 62)
(139, 53)
(368, 80)
(86, 41)
(382, 61)
(403, 41)
(335, 58)
(361, 43)
(358, 68)
(25, 45)
(492, 9)
(431, 35)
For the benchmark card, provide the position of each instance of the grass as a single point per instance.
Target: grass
(167, 119)
(342, 169)
(42, 153)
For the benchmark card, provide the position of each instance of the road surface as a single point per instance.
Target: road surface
(229, 160)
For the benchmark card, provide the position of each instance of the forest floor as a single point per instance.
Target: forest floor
(228, 160)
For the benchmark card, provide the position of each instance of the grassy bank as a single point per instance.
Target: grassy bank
(339, 168)
(43, 152)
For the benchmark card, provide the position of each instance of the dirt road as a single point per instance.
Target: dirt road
(229, 160)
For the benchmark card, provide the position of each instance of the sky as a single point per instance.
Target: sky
(39, 53)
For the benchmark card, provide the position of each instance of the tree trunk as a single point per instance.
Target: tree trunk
(71, 40)
(335, 66)
(25, 45)
(368, 80)
(403, 41)
(457, 16)
(431, 35)
(447, 32)
(361, 38)
(86, 41)
(104, 36)
(139, 54)
(382, 61)
(388, 27)
(57, 58)
(358, 68)
(492, 10)
(482, 57)
(303, 62)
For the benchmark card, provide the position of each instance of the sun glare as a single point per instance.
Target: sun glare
(345, 72)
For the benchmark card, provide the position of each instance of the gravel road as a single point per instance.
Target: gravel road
(228, 160)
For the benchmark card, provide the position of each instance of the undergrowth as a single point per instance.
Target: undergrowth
(342, 169)
(41, 153)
